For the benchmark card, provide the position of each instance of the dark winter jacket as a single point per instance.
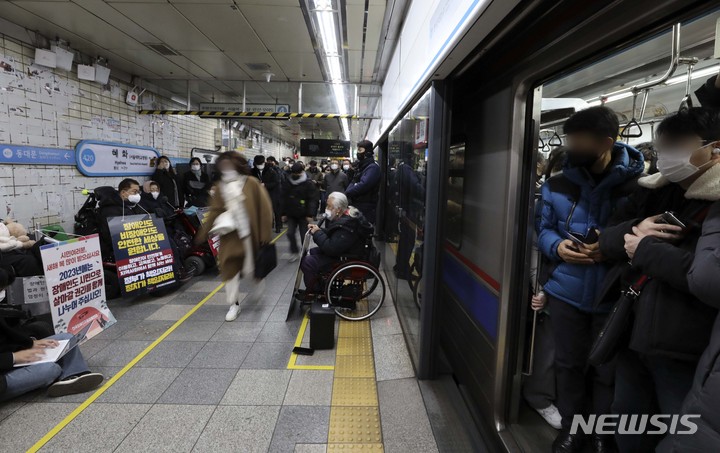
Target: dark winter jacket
(585, 207)
(345, 236)
(170, 186)
(365, 184)
(12, 339)
(669, 320)
(112, 205)
(160, 207)
(196, 189)
(704, 396)
(270, 179)
(300, 198)
(335, 181)
(315, 175)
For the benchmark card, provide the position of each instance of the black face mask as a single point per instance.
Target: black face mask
(585, 159)
(362, 156)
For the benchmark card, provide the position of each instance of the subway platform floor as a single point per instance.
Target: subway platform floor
(211, 385)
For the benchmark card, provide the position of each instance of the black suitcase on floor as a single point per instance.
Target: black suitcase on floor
(322, 326)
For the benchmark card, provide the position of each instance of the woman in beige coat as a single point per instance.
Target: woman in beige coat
(246, 203)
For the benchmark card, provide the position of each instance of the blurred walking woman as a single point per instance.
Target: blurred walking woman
(241, 213)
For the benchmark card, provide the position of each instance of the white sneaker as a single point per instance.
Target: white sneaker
(232, 313)
(294, 257)
(551, 414)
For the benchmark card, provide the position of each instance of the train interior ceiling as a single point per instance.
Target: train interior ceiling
(508, 108)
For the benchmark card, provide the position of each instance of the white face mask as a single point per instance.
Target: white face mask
(329, 214)
(2, 295)
(346, 167)
(164, 166)
(195, 167)
(229, 175)
(212, 192)
(333, 167)
(260, 167)
(676, 166)
(134, 198)
(155, 195)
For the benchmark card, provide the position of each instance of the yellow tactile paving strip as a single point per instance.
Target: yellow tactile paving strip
(354, 413)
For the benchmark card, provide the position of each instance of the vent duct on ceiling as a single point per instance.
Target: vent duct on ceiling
(162, 49)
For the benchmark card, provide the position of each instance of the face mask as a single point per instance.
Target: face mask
(212, 193)
(361, 156)
(582, 159)
(195, 167)
(329, 214)
(164, 166)
(2, 295)
(346, 167)
(155, 195)
(134, 198)
(333, 167)
(676, 166)
(229, 175)
(260, 167)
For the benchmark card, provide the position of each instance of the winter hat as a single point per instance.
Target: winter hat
(297, 168)
(368, 145)
(258, 160)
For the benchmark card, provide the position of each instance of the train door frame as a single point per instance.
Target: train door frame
(558, 54)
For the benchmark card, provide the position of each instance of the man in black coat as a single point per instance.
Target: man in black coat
(270, 179)
(299, 206)
(345, 234)
(123, 202)
(671, 326)
(363, 191)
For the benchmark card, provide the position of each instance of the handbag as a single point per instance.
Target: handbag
(612, 334)
(265, 261)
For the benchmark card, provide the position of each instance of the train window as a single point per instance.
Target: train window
(456, 176)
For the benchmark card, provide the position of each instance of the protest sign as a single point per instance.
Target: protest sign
(143, 254)
(76, 285)
(213, 239)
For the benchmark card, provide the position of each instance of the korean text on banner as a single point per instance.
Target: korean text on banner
(76, 285)
(214, 239)
(143, 254)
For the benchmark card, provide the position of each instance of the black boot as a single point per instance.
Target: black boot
(603, 444)
(568, 443)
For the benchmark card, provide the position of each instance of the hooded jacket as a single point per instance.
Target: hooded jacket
(345, 236)
(589, 207)
(300, 197)
(669, 320)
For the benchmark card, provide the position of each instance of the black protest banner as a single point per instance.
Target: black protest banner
(143, 253)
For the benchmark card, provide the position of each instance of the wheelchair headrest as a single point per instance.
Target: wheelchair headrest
(104, 192)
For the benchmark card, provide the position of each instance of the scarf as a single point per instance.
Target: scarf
(232, 193)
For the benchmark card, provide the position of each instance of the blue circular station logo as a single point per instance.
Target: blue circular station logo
(87, 157)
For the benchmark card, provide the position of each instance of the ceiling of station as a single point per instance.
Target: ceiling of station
(217, 44)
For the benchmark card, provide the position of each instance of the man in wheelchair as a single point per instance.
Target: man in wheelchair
(345, 236)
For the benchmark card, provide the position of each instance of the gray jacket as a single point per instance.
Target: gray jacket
(335, 182)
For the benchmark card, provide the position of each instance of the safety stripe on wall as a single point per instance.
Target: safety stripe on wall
(220, 114)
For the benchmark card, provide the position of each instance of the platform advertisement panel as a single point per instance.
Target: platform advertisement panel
(76, 286)
(143, 254)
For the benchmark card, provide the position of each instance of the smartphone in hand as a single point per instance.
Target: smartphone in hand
(670, 218)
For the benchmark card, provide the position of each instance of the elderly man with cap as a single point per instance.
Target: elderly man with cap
(365, 185)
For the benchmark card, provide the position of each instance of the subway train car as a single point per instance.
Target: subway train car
(460, 177)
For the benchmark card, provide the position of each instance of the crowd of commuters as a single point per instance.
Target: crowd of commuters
(610, 216)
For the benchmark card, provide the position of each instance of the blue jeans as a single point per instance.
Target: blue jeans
(28, 378)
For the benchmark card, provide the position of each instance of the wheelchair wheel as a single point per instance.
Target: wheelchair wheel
(356, 290)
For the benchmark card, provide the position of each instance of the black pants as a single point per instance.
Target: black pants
(277, 211)
(538, 389)
(580, 390)
(296, 225)
(649, 385)
(26, 264)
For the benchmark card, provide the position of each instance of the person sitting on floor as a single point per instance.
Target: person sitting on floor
(346, 233)
(68, 375)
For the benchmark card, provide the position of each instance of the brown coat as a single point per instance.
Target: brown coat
(259, 209)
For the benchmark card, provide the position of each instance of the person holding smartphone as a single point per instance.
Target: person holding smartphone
(597, 176)
(658, 230)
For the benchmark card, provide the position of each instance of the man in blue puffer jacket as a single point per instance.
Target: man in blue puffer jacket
(597, 176)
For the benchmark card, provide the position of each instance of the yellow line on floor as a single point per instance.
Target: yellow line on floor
(84, 405)
(292, 363)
